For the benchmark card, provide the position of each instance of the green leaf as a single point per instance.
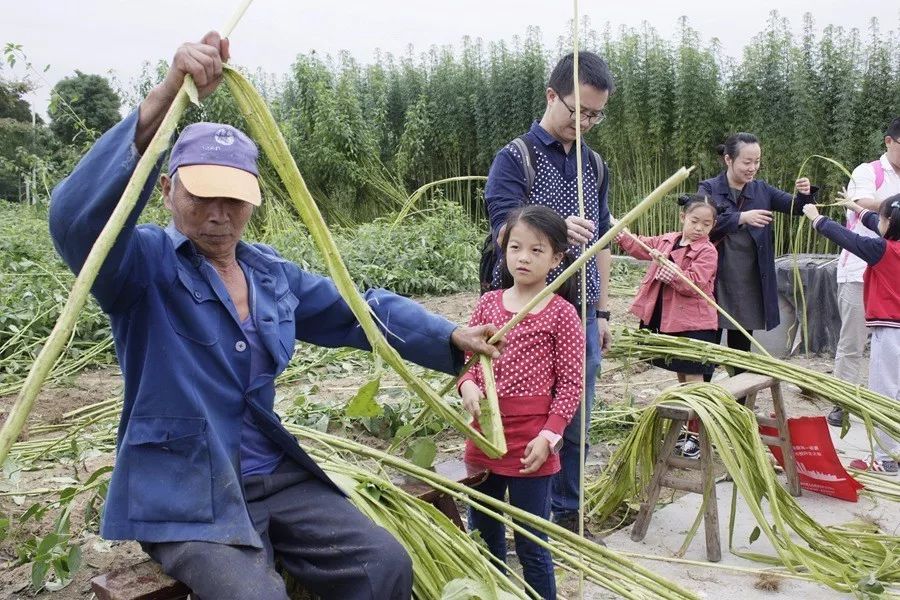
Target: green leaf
(465, 589)
(74, 558)
(422, 452)
(363, 404)
(754, 535)
(38, 572)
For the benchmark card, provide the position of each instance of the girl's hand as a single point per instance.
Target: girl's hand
(656, 254)
(810, 211)
(536, 453)
(802, 186)
(665, 273)
(756, 218)
(471, 398)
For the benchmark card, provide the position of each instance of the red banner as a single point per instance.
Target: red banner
(818, 465)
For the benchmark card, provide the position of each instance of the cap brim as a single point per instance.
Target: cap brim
(216, 181)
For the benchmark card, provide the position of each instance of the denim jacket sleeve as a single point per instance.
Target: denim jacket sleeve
(792, 205)
(81, 205)
(322, 317)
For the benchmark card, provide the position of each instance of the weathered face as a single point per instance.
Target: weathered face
(745, 165)
(561, 118)
(529, 255)
(214, 225)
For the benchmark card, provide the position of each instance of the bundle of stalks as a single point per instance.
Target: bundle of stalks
(874, 409)
(598, 564)
(850, 561)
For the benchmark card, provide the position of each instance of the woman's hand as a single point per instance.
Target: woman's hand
(756, 218)
(471, 397)
(536, 453)
(802, 186)
(810, 211)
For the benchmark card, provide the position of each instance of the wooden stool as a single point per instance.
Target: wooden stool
(744, 385)
(661, 477)
(453, 469)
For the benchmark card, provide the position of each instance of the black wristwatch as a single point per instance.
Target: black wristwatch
(603, 314)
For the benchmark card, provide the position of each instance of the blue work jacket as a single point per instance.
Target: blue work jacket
(185, 360)
(756, 195)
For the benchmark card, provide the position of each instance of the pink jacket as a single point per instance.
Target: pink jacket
(683, 309)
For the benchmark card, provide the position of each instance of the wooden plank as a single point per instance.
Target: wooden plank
(669, 411)
(639, 529)
(680, 462)
(141, 581)
(787, 448)
(685, 485)
(708, 485)
(746, 383)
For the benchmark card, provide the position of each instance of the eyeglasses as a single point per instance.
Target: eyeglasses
(589, 118)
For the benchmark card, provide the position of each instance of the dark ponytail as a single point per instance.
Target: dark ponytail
(732, 145)
(547, 222)
(687, 203)
(890, 210)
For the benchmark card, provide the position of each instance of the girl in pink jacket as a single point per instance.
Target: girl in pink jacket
(665, 303)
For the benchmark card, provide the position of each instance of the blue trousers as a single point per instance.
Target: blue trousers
(533, 495)
(564, 498)
(321, 539)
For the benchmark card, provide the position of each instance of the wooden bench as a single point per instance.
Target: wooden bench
(745, 386)
(146, 581)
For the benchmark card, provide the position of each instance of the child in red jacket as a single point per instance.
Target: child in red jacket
(667, 304)
(881, 296)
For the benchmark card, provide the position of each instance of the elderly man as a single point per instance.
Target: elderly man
(206, 477)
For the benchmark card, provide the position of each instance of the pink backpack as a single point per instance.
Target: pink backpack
(879, 181)
(853, 219)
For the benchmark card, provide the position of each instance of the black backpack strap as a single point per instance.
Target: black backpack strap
(526, 151)
(599, 167)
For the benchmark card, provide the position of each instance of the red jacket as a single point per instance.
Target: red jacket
(683, 308)
(881, 289)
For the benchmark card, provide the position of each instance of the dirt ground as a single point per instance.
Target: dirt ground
(615, 384)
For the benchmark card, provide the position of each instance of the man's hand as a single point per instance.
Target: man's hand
(810, 211)
(802, 186)
(474, 339)
(580, 231)
(201, 60)
(756, 218)
(536, 453)
(471, 397)
(604, 334)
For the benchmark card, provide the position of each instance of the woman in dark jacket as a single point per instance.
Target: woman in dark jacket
(745, 286)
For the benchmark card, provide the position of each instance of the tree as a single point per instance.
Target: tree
(82, 107)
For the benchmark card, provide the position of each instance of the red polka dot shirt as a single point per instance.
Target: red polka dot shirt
(543, 358)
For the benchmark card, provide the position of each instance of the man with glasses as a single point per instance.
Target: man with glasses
(872, 182)
(546, 173)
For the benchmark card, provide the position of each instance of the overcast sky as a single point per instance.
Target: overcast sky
(99, 36)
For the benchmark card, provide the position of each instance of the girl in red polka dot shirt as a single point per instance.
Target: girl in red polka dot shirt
(539, 382)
